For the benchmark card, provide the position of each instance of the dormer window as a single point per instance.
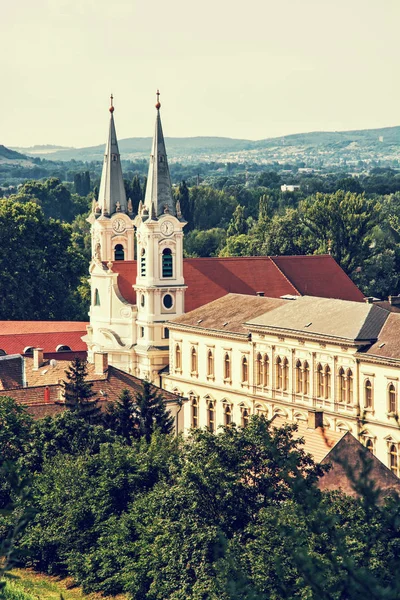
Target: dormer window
(167, 262)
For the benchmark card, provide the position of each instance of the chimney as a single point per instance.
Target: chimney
(315, 419)
(37, 358)
(261, 294)
(47, 394)
(369, 299)
(394, 300)
(100, 362)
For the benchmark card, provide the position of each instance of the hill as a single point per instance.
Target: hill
(7, 154)
(367, 144)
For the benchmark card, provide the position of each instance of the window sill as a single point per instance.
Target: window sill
(210, 378)
(228, 381)
(178, 371)
(194, 374)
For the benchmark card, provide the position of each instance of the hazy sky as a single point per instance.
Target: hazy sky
(250, 69)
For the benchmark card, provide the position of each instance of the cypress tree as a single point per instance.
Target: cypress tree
(120, 416)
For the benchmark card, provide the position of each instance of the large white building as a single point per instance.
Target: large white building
(234, 336)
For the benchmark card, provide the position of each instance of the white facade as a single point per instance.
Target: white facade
(226, 377)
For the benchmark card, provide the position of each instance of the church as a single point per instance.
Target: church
(281, 336)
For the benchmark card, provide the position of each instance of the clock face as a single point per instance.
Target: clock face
(119, 225)
(167, 227)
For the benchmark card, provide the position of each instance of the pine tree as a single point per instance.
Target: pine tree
(150, 413)
(183, 195)
(78, 392)
(238, 224)
(119, 416)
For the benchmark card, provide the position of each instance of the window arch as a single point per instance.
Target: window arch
(28, 350)
(143, 262)
(392, 399)
(349, 386)
(119, 253)
(341, 385)
(327, 382)
(245, 370)
(96, 297)
(167, 262)
(320, 381)
(266, 370)
(393, 458)
(279, 373)
(3, 352)
(178, 362)
(299, 377)
(193, 360)
(285, 374)
(245, 416)
(63, 348)
(210, 363)
(259, 370)
(367, 393)
(227, 414)
(306, 378)
(195, 411)
(211, 415)
(369, 444)
(227, 366)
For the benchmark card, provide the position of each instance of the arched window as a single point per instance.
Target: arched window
(259, 370)
(167, 262)
(143, 262)
(63, 348)
(392, 399)
(285, 374)
(393, 460)
(368, 394)
(245, 370)
(369, 444)
(306, 378)
(299, 378)
(210, 364)
(349, 386)
(320, 381)
(245, 416)
(178, 357)
(266, 370)
(227, 366)
(96, 297)
(279, 373)
(228, 414)
(195, 411)
(327, 382)
(28, 350)
(119, 253)
(211, 415)
(2, 352)
(194, 360)
(341, 385)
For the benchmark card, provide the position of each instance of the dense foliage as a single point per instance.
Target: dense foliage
(231, 516)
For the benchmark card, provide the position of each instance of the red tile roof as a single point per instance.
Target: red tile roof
(318, 275)
(210, 278)
(14, 342)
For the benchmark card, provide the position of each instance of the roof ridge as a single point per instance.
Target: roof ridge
(283, 274)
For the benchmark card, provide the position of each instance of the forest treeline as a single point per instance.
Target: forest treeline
(233, 516)
(43, 226)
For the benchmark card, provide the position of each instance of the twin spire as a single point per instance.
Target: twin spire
(112, 197)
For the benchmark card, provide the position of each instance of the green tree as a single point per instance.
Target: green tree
(237, 225)
(40, 254)
(204, 243)
(183, 195)
(150, 413)
(135, 193)
(78, 392)
(120, 416)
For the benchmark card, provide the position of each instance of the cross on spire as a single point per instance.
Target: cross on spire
(158, 104)
(112, 105)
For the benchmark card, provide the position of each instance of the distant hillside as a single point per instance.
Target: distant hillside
(6, 153)
(368, 144)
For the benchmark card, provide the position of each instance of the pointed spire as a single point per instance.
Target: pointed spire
(112, 190)
(158, 198)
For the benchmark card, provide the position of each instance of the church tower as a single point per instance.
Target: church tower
(111, 217)
(112, 318)
(160, 286)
